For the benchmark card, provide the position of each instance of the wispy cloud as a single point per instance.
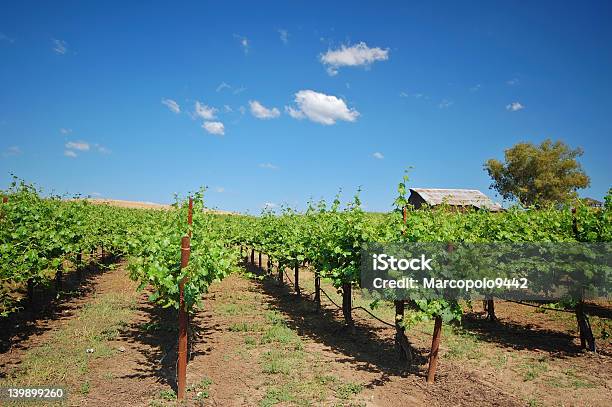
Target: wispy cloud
(239, 90)
(70, 153)
(101, 149)
(227, 109)
(242, 109)
(172, 105)
(64, 130)
(268, 166)
(355, 55)
(220, 190)
(222, 86)
(60, 47)
(205, 112)
(513, 82)
(321, 108)
(78, 145)
(216, 128)
(476, 87)
(514, 107)
(261, 112)
(244, 43)
(445, 103)
(284, 36)
(378, 155)
(12, 151)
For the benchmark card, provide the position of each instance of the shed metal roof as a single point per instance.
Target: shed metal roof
(456, 197)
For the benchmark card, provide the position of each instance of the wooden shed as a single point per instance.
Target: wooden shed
(457, 198)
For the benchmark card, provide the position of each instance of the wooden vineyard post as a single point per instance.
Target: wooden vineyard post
(260, 260)
(79, 260)
(269, 268)
(435, 347)
(279, 278)
(347, 306)
(181, 370)
(296, 282)
(58, 279)
(587, 340)
(4, 199)
(253, 257)
(317, 297)
(490, 308)
(401, 341)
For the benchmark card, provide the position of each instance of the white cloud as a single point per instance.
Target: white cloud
(65, 131)
(70, 153)
(261, 112)
(378, 155)
(60, 47)
(296, 114)
(204, 111)
(321, 108)
(242, 109)
(513, 82)
(101, 149)
(403, 95)
(244, 43)
(356, 55)
(12, 151)
(444, 103)
(239, 90)
(222, 86)
(284, 35)
(77, 145)
(216, 128)
(227, 108)
(514, 107)
(172, 105)
(269, 166)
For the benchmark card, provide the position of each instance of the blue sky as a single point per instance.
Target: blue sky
(100, 98)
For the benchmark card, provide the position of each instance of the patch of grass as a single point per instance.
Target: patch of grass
(85, 388)
(571, 379)
(200, 389)
(245, 327)
(233, 309)
(462, 345)
(534, 403)
(325, 379)
(275, 395)
(250, 341)
(347, 390)
(274, 317)
(63, 357)
(279, 361)
(167, 395)
(499, 361)
(282, 334)
(534, 368)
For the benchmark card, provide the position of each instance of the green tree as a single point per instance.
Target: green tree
(538, 174)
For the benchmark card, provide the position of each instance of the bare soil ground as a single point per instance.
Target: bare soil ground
(256, 343)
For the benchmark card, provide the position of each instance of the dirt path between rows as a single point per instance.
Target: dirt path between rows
(256, 343)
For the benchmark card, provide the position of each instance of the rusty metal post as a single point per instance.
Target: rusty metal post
(435, 346)
(182, 316)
